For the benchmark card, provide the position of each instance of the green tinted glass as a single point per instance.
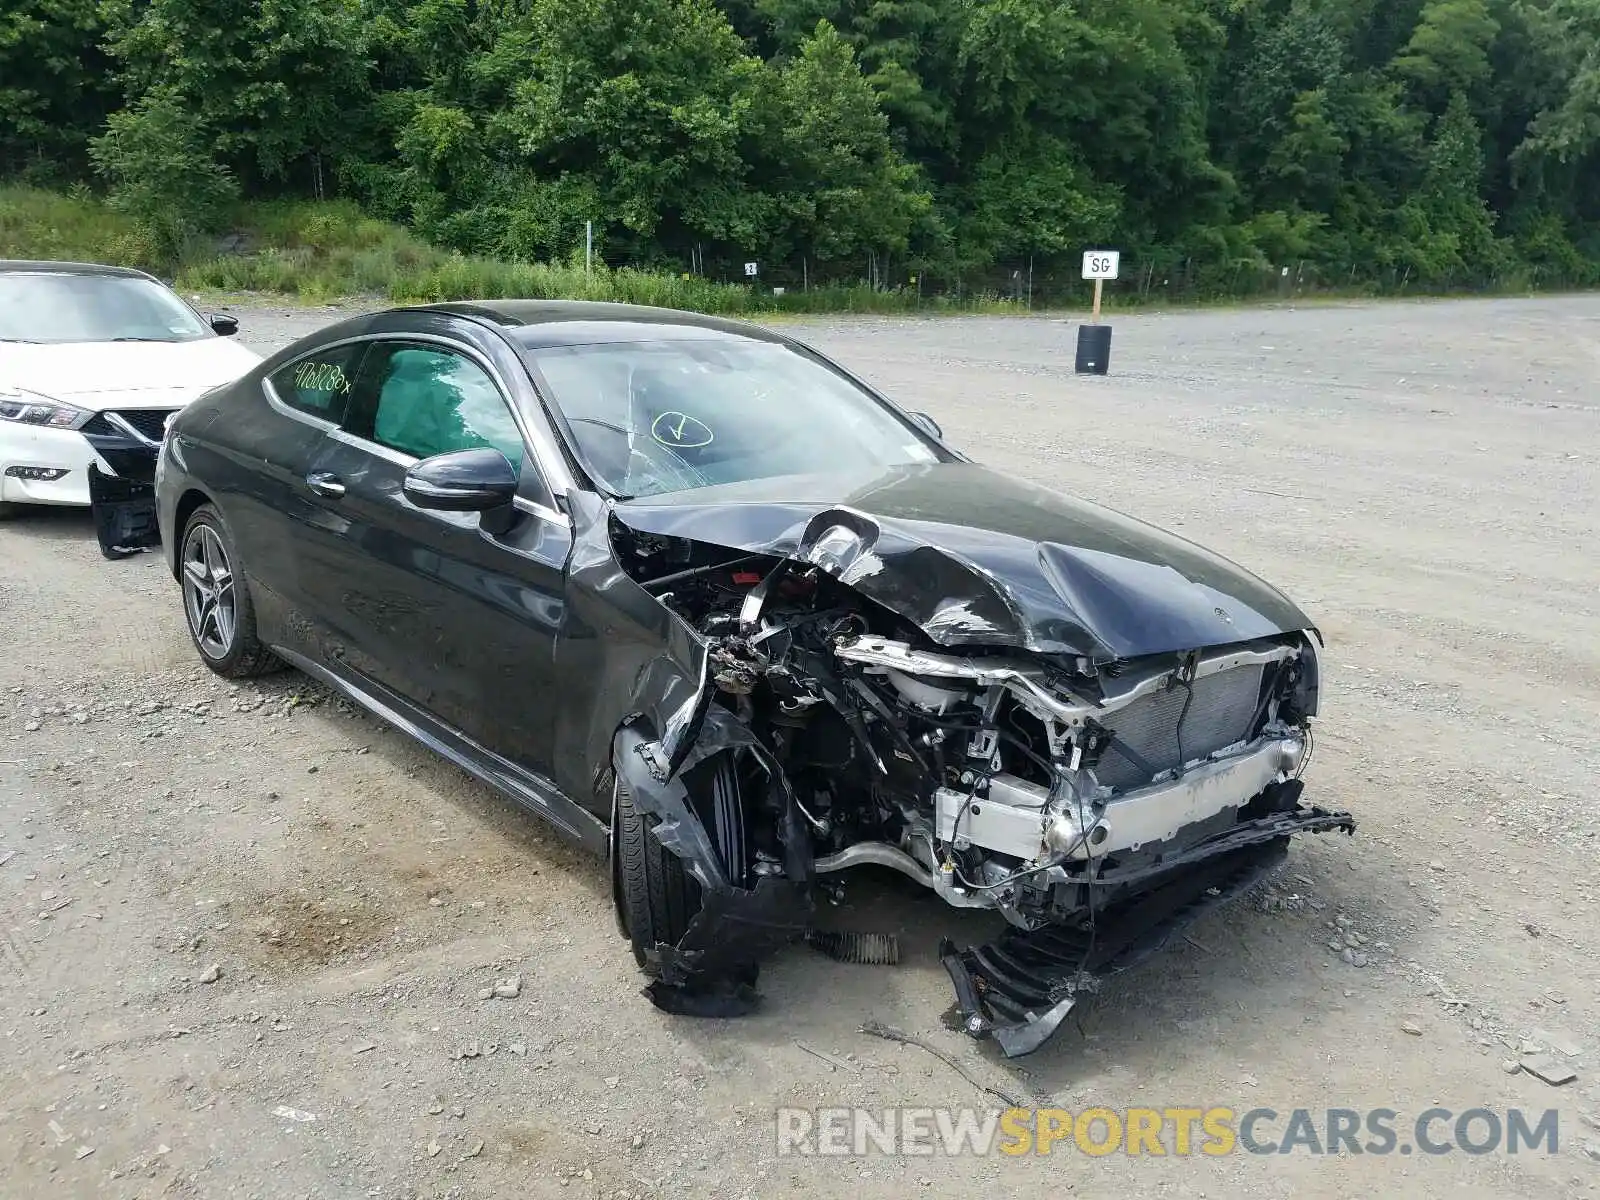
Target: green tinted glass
(320, 383)
(432, 402)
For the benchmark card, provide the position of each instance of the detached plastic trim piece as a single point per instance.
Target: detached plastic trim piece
(1018, 988)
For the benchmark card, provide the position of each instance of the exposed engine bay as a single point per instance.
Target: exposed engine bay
(1061, 791)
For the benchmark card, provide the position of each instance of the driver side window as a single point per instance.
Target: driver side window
(424, 400)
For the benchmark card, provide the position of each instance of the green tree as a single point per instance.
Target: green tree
(654, 104)
(1030, 194)
(1108, 77)
(844, 187)
(1306, 164)
(157, 159)
(1440, 140)
(53, 92)
(1448, 53)
(1567, 127)
(279, 84)
(1460, 221)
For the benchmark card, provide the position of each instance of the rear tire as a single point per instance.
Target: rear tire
(657, 898)
(216, 600)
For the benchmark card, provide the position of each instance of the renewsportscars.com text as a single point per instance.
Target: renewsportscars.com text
(1159, 1132)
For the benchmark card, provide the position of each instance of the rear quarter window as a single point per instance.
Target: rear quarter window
(320, 383)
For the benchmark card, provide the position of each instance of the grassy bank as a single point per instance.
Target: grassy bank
(315, 252)
(322, 251)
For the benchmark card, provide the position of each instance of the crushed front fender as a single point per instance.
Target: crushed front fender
(712, 969)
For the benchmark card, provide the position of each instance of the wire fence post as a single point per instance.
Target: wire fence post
(588, 247)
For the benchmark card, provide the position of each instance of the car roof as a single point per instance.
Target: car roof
(536, 324)
(50, 267)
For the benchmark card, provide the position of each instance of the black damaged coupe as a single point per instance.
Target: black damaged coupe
(721, 612)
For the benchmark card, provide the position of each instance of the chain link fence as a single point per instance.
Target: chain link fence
(1145, 280)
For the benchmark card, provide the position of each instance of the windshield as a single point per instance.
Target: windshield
(651, 417)
(62, 307)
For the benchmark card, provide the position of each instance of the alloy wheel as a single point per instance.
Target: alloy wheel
(208, 592)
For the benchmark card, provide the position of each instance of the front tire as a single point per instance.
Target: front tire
(216, 600)
(657, 898)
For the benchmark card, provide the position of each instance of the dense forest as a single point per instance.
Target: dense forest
(1443, 143)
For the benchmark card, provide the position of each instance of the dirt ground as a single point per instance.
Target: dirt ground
(1423, 478)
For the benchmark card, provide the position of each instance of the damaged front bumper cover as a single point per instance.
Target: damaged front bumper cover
(124, 503)
(1018, 988)
(711, 972)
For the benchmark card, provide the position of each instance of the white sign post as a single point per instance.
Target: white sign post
(1094, 339)
(1100, 265)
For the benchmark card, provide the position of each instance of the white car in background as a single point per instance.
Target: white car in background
(93, 360)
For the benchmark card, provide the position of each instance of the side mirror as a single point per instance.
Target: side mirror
(223, 324)
(928, 424)
(462, 481)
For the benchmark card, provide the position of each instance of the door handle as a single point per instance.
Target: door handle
(324, 483)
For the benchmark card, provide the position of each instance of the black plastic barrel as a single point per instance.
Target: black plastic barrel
(1094, 349)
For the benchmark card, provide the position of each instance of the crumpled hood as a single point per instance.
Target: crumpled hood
(977, 558)
(101, 375)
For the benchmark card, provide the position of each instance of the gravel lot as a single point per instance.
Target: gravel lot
(227, 910)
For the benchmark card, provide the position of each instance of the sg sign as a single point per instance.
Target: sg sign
(1101, 264)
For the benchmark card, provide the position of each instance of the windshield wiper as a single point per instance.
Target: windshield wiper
(140, 339)
(23, 341)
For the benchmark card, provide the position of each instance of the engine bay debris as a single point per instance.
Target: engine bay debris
(1095, 801)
